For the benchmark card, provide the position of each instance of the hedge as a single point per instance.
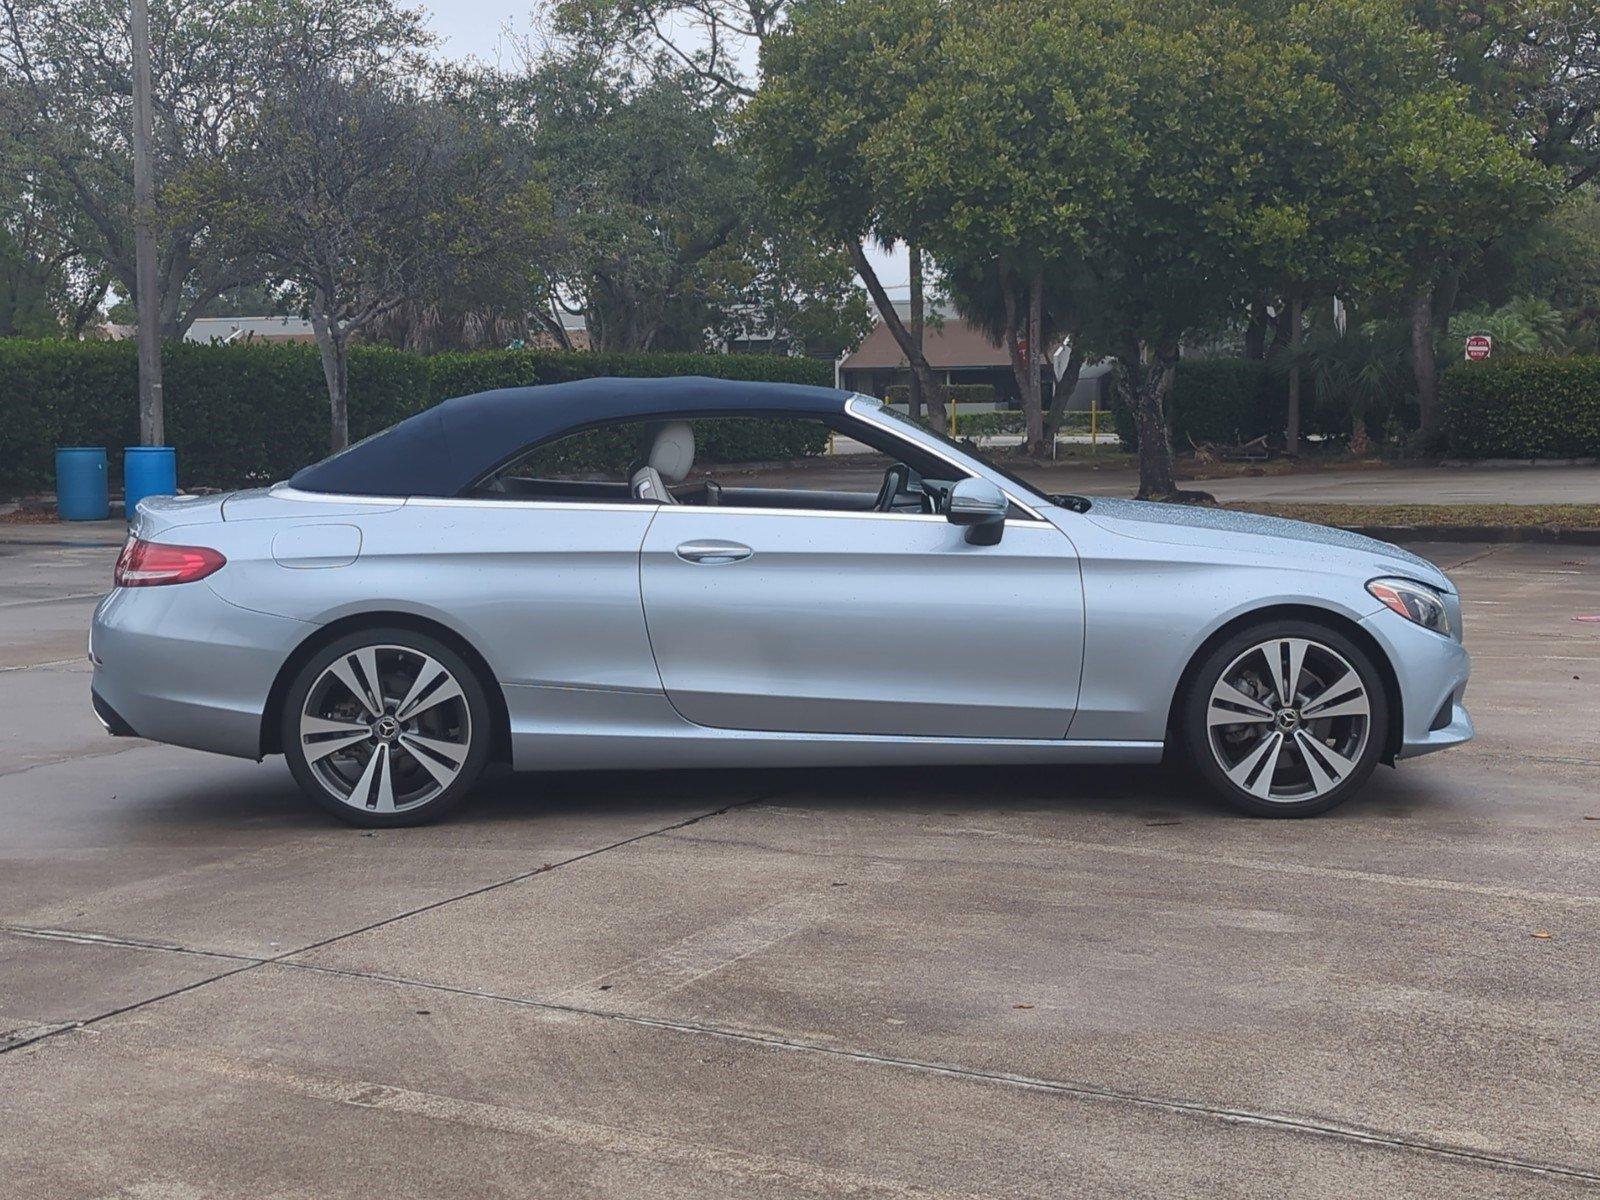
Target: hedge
(255, 413)
(1523, 408)
(1225, 400)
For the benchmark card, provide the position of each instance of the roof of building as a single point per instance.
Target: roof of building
(446, 449)
(241, 329)
(949, 344)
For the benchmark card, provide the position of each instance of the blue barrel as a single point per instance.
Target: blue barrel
(147, 471)
(81, 483)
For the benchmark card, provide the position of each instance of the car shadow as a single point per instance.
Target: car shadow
(265, 794)
(1147, 792)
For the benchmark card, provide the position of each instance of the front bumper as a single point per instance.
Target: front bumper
(110, 719)
(181, 665)
(1458, 729)
(1432, 672)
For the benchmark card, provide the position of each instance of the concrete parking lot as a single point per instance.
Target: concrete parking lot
(1062, 982)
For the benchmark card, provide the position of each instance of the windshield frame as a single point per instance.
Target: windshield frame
(900, 425)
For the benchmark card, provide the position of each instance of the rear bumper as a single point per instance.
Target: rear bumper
(1432, 672)
(181, 665)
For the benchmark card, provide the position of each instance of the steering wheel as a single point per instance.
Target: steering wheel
(895, 481)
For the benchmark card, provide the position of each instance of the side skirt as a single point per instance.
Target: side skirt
(564, 728)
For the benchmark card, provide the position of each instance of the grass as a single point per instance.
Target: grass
(1423, 516)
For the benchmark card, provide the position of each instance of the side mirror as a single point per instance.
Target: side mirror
(981, 507)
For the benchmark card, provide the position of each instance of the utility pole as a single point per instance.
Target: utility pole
(146, 300)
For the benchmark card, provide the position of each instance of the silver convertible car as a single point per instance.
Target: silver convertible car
(659, 573)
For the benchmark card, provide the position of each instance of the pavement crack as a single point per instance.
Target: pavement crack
(44, 600)
(85, 938)
(1496, 548)
(132, 744)
(248, 963)
(743, 1168)
(524, 875)
(39, 666)
(1310, 1126)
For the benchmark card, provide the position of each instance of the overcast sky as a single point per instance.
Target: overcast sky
(480, 28)
(476, 26)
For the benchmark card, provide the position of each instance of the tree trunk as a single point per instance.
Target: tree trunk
(1255, 333)
(1022, 330)
(1291, 432)
(1280, 329)
(1037, 358)
(331, 341)
(1360, 444)
(1444, 298)
(1148, 386)
(1422, 362)
(914, 255)
(1065, 386)
(932, 388)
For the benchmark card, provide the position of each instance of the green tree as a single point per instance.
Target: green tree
(1001, 169)
(68, 64)
(831, 79)
(706, 39)
(650, 199)
(365, 195)
(1379, 170)
(47, 287)
(1531, 71)
(665, 240)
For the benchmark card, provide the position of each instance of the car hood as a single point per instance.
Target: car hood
(1224, 529)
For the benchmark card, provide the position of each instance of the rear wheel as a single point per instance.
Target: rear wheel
(386, 727)
(1286, 719)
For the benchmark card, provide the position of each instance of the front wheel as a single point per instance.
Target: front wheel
(386, 727)
(1287, 719)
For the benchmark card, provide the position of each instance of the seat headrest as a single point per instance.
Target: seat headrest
(672, 452)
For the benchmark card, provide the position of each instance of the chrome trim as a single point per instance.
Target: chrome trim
(712, 552)
(482, 502)
(864, 412)
(732, 509)
(293, 493)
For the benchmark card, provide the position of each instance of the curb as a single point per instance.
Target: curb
(1546, 535)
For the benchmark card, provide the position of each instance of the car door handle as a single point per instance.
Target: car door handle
(713, 553)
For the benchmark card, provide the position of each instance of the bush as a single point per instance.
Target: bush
(987, 424)
(1523, 408)
(256, 413)
(1227, 400)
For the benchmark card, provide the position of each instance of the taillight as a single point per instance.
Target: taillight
(151, 564)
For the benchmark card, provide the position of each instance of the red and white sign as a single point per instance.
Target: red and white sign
(1479, 346)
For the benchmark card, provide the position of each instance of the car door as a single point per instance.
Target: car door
(863, 623)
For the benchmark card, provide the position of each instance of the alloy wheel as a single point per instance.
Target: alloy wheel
(385, 728)
(1289, 720)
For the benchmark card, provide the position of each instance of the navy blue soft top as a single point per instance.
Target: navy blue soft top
(446, 449)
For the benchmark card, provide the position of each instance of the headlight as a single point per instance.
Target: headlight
(1413, 601)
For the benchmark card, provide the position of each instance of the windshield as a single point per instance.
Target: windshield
(965, 449)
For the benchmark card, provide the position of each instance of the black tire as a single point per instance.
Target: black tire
(1240, 655)
(468, 717)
